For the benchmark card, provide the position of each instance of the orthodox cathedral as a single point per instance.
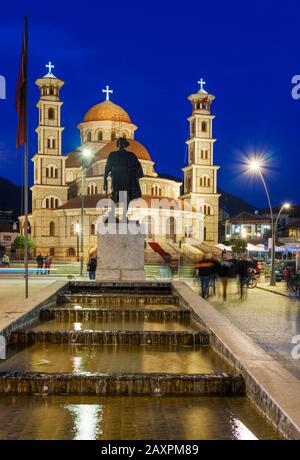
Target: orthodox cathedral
(69, 186)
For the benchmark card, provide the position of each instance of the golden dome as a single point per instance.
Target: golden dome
(138, 149)
(107, 110)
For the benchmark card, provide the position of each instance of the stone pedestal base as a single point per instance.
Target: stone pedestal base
(120, 254)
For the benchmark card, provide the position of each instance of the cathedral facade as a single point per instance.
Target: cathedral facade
(66, 183)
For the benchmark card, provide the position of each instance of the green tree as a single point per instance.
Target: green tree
(19, 243)
(239, 246)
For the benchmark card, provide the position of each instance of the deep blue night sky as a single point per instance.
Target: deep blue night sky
(152, 54)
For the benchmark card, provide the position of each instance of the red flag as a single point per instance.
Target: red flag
(21, 95)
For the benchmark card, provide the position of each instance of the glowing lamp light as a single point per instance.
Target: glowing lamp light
(86, 153)
(254, 165)
(286, 205)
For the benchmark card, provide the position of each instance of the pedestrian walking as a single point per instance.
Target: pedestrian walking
(206, 271)
(48, 263)
(91, 268)
(225, 268)
(39, 263)
(243, 273)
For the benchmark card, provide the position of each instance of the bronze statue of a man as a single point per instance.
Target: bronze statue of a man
(125, 170)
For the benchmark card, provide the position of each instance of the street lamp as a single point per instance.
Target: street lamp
(256, 166)
(85, 155)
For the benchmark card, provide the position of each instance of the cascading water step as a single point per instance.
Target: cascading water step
(111, 337)
(221, 384)
(163, 314)
(87, 358)
(116, 300)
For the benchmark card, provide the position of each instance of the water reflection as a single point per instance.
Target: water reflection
(239, 430)
(87, 419)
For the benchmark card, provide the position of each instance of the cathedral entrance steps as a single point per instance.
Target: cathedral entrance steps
(156, 247)
(219, 384)
(210, 249)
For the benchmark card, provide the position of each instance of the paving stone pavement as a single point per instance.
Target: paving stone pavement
(271, 320)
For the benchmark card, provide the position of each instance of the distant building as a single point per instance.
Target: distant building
(8, 233)
(293, 230)
(251, 227)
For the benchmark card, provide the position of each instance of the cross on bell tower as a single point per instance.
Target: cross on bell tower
(107, 91)
(202, 83)
(49, 66)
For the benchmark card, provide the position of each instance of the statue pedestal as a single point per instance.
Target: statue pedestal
(120, 254)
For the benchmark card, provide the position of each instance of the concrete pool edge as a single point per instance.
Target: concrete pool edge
(28, 310)
(269, 386)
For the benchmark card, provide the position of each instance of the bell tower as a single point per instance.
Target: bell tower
(49, 190)
(49, 164)
(200, 174)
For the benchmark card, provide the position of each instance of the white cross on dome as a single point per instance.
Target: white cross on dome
(107, 91)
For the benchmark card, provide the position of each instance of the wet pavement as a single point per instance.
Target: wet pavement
(91, 418)
(271, 320)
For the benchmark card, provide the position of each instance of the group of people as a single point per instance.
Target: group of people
(210, 268)
(44, 264)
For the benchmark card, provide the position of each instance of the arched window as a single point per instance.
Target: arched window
(156, 190)
(204, 154)
(51, 202)
(100, 136)
(52, 229)
(204, 181)
(52, 251)
(88, 136)
(207, 210)
(188, 185)
(51, 90)
(52, 171)
(51, 142)
(92, 189)
(125, 135)
(193, 128)
(204, 126)
(191, 154)
(71, 252)
(113, 135)
(93, 228)
(51, 113)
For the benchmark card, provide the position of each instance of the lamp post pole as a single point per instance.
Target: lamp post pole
(273, 278)
(81, 218)
(85, 155)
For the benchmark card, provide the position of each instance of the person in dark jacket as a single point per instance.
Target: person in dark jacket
(224, 272)
(206, 271)
(91, 268)
(40, 264)
(243, 273)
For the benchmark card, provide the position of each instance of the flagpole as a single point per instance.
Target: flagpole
(26, 158)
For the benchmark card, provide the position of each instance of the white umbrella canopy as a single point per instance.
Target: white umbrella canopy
(223, 246)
